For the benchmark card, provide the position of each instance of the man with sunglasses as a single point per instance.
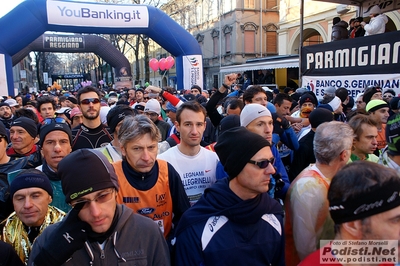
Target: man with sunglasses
(306, 204)
(235, 222)
(92, 133)
(55, 140)
(258, 119)
(97, 231)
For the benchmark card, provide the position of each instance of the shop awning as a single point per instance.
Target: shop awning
(260, 65)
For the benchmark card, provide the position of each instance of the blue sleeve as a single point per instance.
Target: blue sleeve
(276, 138)
(289, 138)
(282, 170)
(220, 172)
(188, 250)
(233, 94)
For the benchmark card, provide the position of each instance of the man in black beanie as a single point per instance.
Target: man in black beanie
(97, 231)
(23, 133)
(55, 140)
(235, 215)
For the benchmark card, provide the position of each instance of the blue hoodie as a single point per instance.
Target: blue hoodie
(222, 229)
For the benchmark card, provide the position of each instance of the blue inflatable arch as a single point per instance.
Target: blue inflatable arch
(32, 18)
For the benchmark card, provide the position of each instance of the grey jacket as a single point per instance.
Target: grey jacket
(136, 241)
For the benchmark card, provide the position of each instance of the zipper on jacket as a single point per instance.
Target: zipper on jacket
(102, 254)
(142, 177)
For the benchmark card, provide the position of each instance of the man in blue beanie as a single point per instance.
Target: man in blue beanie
(31, 194)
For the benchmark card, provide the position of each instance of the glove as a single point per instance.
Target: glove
(69, 236)
(283, 121)
(280, 124)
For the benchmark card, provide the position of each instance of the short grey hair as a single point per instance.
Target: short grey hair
(330, 140)
(134, 127)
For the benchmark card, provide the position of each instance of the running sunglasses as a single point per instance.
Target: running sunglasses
(263, 164)
(90, 100)
(58, 120)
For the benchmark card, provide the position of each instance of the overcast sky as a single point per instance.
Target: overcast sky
(7, 6)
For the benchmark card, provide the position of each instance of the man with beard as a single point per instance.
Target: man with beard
(6, 115)
(92, 133)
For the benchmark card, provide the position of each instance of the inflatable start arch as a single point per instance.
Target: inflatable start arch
(32, 18)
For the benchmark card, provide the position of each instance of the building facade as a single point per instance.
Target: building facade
(232, 32)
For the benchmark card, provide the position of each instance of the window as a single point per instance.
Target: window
(227, 33)
(270, 4)
(249, 33)
(249, 42)
(215, 83)
(215, 35)
(271, 41)
(316, 39)
(249, 4)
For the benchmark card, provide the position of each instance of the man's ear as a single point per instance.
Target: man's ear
(353, 228)
(177, 126)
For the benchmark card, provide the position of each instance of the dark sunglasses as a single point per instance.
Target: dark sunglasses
(58, 120)
(146, 98)
(263, 164)
(90, 100)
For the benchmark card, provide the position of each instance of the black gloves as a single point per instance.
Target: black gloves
(69, 236)
(283, 121)
(280, 124)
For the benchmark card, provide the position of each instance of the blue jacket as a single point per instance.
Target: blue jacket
(222, 229)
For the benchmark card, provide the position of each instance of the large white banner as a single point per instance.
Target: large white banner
(353, 83)
(3, 76)
(97, 15)
(192, 71)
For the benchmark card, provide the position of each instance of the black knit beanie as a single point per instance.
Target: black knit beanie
(319, 116)
(46, 129)
(26, 123)
(235, 147)
(117, 114)
(85, 171)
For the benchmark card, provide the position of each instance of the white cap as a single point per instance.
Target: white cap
(62, 110)
(153, 105)
(11, 102)
(335, 103)
(251, 112)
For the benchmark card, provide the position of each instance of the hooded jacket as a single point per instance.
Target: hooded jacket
(339, 31)
(136, 240)
(223, 229)
(376, 25)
